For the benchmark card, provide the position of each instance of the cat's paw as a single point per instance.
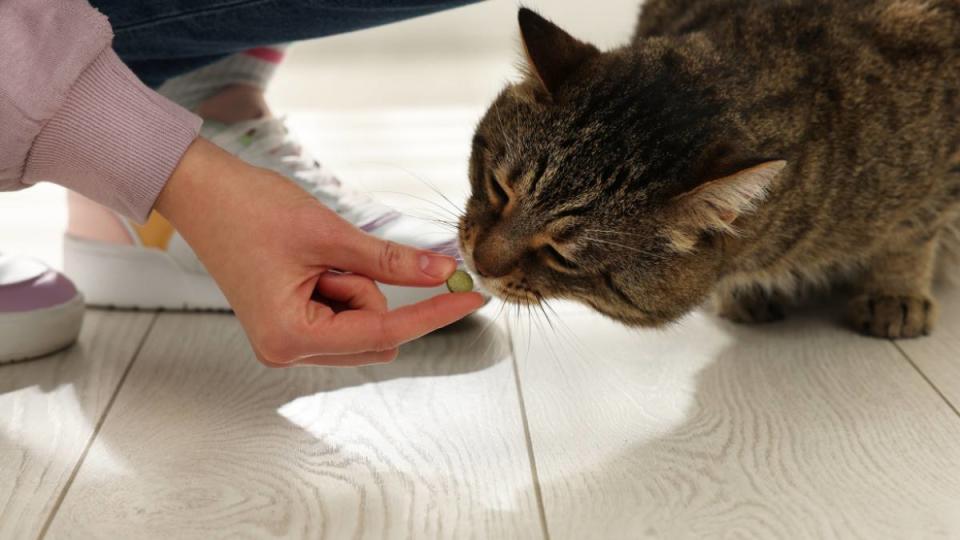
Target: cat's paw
(892, 316)
(750, 307)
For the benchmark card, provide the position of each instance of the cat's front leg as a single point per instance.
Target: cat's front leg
(895, 299)
(749, 305)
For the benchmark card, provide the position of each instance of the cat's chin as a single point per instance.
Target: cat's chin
(636, 319)
(514, 298)
(512, 295)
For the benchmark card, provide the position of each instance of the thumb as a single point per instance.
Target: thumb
(391, 263)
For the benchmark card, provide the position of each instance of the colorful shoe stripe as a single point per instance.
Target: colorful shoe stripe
(450, 248)
(381, 221)
(267, 54)
(155, 233)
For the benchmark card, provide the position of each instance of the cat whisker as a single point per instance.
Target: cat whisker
(529, 329)
(545, 316)
(436, 190)
(535, 317)
(452, 226)
(571, 336)
(453, 214)
(491, 343)
(541, 304)
(416, 177)
(434, 217)
(457, 209)
(488, 325)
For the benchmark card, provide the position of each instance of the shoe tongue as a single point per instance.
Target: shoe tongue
(211, 128)
(237, 136)
(19, 269)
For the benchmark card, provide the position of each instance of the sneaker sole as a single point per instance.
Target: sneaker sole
(32, 334)
(131, 277)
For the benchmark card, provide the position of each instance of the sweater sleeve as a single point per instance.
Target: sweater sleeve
(74, 114)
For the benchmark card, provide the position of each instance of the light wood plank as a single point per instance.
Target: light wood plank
(708, 430)
(48, 410)
(938, 356)
(203, 442)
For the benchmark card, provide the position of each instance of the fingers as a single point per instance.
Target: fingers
(356, 292)
(389, 262)
(358, 336)
(359, 331)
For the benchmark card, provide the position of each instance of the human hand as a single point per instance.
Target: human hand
(275, 252)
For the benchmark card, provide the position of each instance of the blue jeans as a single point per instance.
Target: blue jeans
(160, 39)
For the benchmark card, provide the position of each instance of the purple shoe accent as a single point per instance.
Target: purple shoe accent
(450, 248)
(389, 217)
(44, 291)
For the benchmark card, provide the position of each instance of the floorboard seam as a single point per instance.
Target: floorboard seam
(96, 430)
(526, 434)
(924, 375)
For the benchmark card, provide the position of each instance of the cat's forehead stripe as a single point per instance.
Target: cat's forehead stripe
(538, 174)
(575, 211)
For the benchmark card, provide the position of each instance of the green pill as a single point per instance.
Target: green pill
(460, 281)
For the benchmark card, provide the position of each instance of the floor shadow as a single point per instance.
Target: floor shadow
(199, 420)
(45, 373)
(49, 408)
(799, 429)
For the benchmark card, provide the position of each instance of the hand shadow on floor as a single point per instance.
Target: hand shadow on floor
(89, 366)
(196, 396)
(488, 345)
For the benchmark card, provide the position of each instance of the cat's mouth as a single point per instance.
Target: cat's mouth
(508, 289)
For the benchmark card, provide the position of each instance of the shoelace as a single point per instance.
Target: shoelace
(268, 143)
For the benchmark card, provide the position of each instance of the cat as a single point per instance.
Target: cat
(737, 150)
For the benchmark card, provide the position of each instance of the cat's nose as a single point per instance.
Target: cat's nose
(493, 256)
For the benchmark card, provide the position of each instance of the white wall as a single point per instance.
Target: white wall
(458, 57)
(492, 24)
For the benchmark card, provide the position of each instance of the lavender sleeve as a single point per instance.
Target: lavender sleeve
(72, 113)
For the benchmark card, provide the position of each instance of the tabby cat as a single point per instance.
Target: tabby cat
(735, 148)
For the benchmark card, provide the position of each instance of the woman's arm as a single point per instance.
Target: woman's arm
(72, 113)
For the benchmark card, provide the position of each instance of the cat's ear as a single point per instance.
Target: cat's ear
(552, 54)
(716, 204)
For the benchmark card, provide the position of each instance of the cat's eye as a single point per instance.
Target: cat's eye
(558, 259)
(498, 195)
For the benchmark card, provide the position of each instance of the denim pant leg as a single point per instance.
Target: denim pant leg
(160, 39)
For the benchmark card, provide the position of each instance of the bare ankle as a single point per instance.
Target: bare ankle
(90, 221)
(235, 103)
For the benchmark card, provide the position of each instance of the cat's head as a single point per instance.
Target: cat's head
(608, 178)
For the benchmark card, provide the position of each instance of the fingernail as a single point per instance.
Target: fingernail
(438, 266)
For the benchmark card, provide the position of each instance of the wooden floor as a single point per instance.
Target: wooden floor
(163, 426)
(507, 425)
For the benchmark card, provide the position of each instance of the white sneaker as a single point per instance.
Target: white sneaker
(117, 263)
(41, 311)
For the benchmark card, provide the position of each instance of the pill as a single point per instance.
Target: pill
(460, 282)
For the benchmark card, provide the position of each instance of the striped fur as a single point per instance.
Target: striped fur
(631, 162)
